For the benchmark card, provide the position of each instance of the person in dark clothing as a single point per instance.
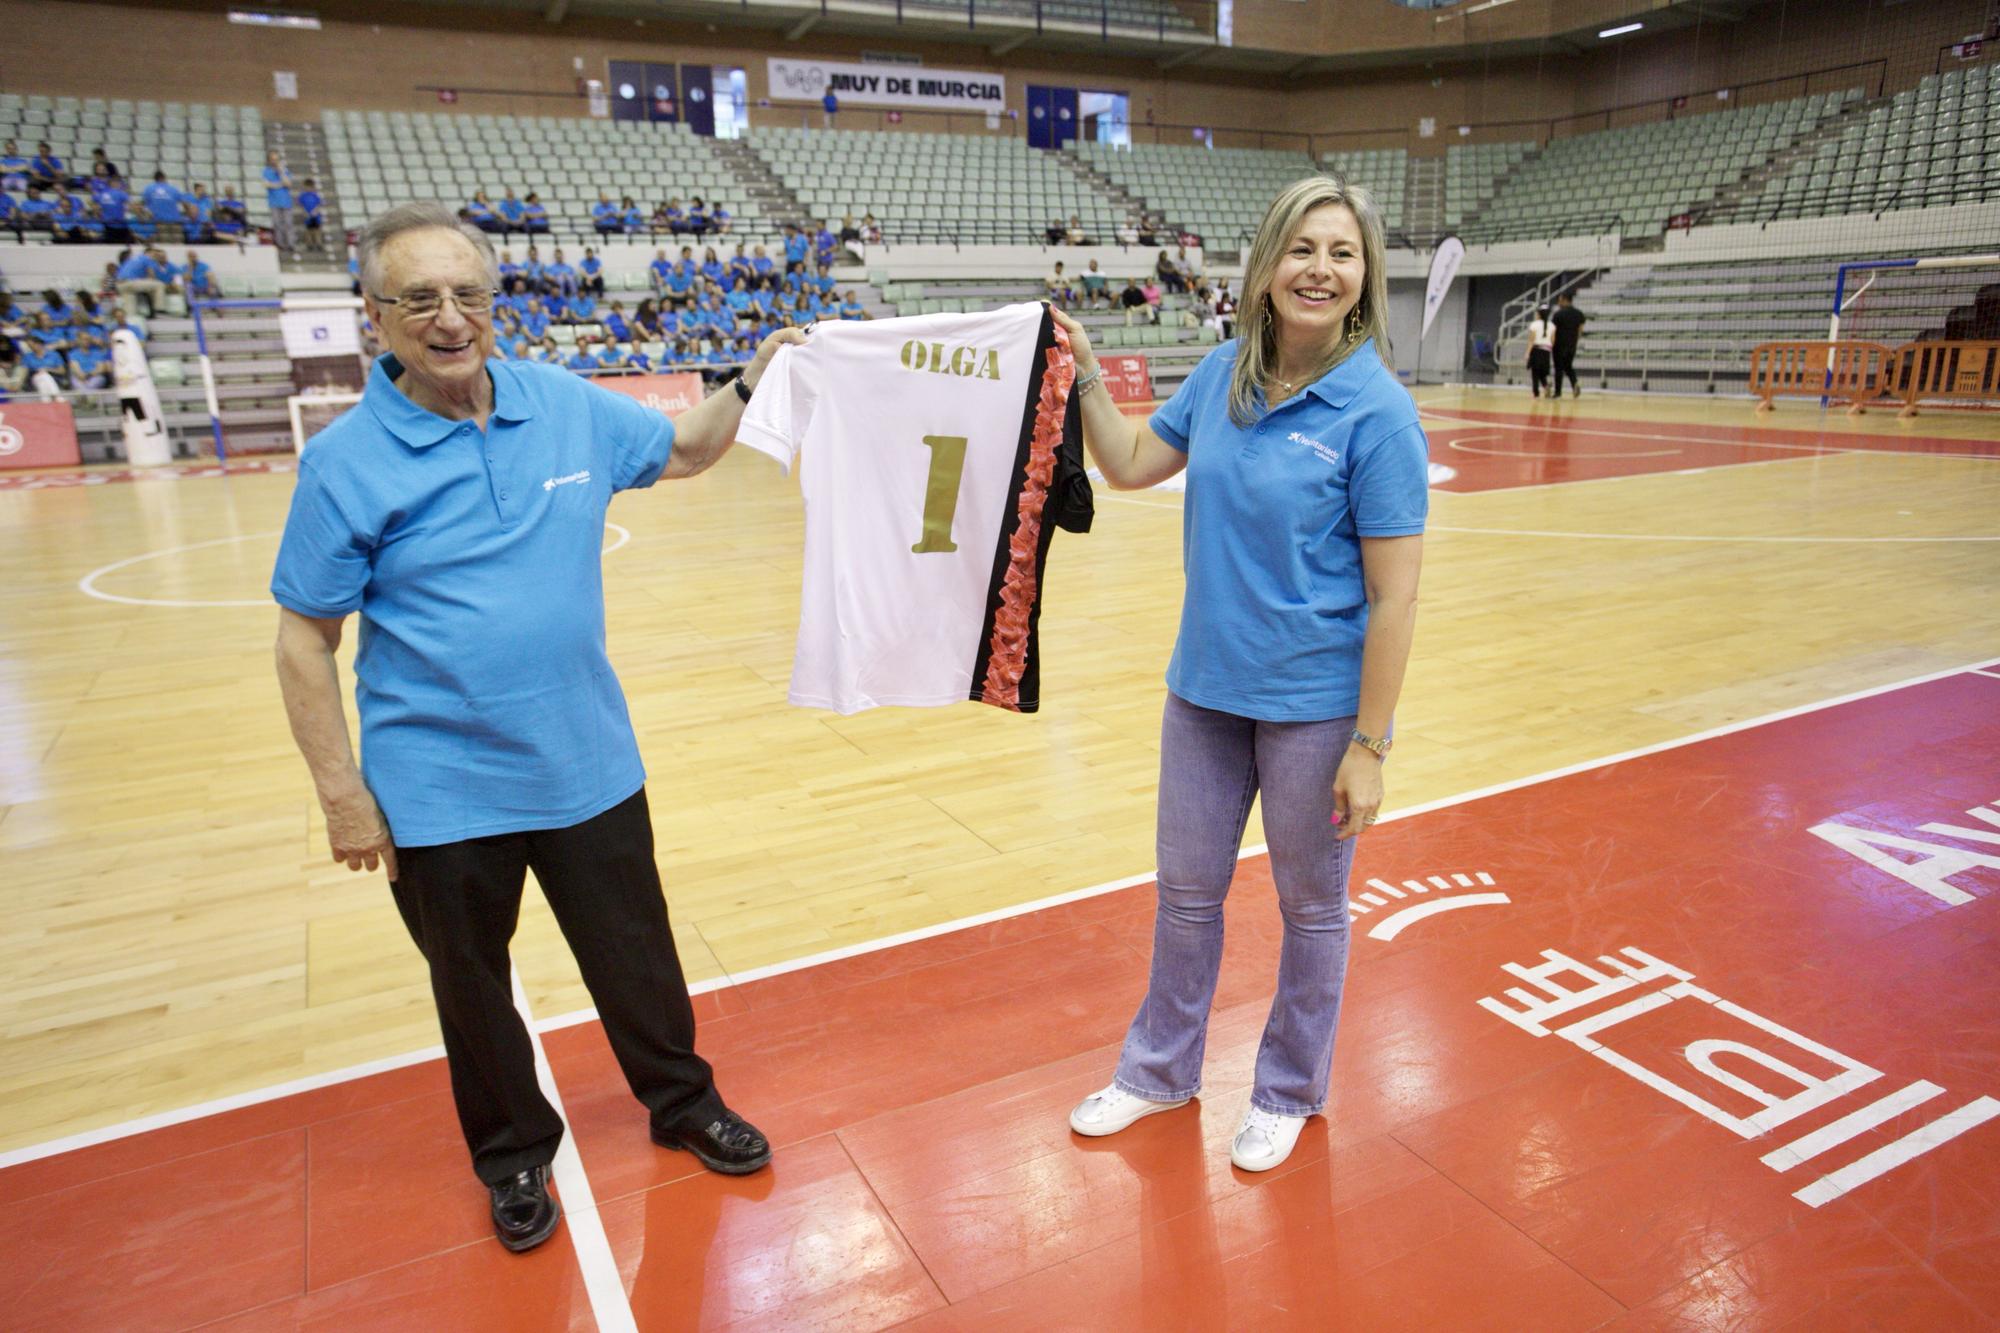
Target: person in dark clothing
(1541, 343)
(1568, 321)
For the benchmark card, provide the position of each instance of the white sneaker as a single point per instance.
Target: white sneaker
(1114, 1109)
(1265, 1140)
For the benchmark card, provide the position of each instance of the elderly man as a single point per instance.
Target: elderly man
(460, 509)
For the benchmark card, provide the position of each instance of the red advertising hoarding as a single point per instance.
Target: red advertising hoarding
(1128, 378)
(672, 394)
(37, 435)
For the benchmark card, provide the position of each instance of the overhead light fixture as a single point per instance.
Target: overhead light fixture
(1621, 30)
(275, 18)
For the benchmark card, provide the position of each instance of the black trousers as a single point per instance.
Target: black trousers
(1566, 368)
(1538, 368)
(461, 901)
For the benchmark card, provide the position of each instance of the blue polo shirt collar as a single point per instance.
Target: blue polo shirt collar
(1338, 386)
(420, 428)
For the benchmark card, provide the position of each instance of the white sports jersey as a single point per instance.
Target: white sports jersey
(940, 454)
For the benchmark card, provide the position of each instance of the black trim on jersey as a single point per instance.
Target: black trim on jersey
(1070, 505)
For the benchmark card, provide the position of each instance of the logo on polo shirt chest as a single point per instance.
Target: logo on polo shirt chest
(1327, 453)
(554, 482)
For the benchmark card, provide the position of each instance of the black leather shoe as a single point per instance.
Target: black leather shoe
(524, 1212)
(729, 1143)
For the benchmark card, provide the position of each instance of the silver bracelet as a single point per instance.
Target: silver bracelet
(1089, 382)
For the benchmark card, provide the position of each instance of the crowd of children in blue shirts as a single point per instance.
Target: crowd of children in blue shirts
(69, 336)
(702, 313)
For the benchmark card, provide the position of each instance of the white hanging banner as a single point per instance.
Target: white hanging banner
(914, 87)
(1450, 253)
(320, 332)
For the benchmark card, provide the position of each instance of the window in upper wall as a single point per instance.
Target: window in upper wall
(1104, 118)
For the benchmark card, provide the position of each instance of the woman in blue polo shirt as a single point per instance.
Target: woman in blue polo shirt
(1306, 475)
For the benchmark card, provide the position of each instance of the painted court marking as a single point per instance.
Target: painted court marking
(87, 585)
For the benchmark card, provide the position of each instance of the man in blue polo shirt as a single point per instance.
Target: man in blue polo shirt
(278, 196)
(459, 508)
(162, 200)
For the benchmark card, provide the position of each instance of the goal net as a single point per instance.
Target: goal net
(313, 412)
(1941, 298)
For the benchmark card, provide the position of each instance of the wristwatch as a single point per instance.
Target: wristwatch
(1378, 748)
(743, 390)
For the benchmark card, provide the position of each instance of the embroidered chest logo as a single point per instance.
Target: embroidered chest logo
(554, 482)
(1326, 453)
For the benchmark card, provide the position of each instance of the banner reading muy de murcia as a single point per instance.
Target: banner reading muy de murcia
(911, 86)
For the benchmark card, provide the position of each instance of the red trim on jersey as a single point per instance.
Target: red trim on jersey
(1007, 657)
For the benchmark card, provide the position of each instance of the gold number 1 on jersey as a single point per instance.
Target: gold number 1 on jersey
(941, 491)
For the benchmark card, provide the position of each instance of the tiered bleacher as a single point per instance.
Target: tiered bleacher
(384, 158)
(946, 187)
(1928, 146)
(1472, 174)
(194, 143)
(1631, 180)
(1220, 194)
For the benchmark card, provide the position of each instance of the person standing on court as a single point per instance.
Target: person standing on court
(1541, 344)
(459, 508)
(1302, 540)
(1568, 325)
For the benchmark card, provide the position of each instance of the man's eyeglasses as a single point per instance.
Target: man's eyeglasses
(422, 305)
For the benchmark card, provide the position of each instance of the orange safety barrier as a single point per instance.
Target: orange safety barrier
(1954, 371)
(1849, 371)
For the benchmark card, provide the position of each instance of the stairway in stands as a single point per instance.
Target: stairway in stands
(776, 205)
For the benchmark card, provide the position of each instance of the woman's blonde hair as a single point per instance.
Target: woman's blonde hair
(1257, 331)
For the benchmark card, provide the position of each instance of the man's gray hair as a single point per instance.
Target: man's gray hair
(417, 217)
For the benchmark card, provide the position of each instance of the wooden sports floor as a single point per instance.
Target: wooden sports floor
(1698, 1037)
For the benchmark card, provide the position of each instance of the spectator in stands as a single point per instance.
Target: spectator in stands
(13, 371)
(615, 322)
(1074, 234)
(10, 217)
(1567, 323)
(231, 216)
(1149, 230)
(142, 278)
(534, 271)
(740, 268)
(1055, 231)
(720, 222)
(659, 224)
(513, 213)
(89, 364)
(1128, 230)
(826, 246)
(582, 308)
(1200, 309)
(560, 276)
(604, 215)
(1541, 344)
(312, 209)
(1133, 301)
(535, 218)
(278, 198)
(590, 276)
(16, 167)
(763, 267)
(57, 311)
(711, 267)
(535, 319)
(796, 246)
(121, 320)
(582, 359)
(1168, 274)
(162, 202)
(677, 222)
(76, 220)
(548, 351)
(613, 357)
(738, 298)
(200, 210)
(1058, 287)
(850, 231)
(631, 218)
(91, 316)
(697, 216)
(659, 271)
(1225, 310)
(201, 284)
(1096, 289)
(646, 322)
(38, 212)
(1189, 266)
(102, 167)
(824, 282)
(871, 230)
(481, 214)
(851, 308)
(47, 168)
(38, 356)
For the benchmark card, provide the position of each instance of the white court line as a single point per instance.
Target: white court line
(609, 1304)
(166, 1118)
(1702, 439)
(1840, 1131)
(1914, 1144)
(87, 585)
(1994, 675)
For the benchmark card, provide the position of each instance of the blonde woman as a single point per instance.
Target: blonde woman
(1302, 541)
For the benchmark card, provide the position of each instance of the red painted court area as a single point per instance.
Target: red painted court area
(1491, 451)
(1700, 1038)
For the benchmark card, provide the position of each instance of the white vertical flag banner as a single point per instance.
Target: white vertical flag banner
(1450, 253)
